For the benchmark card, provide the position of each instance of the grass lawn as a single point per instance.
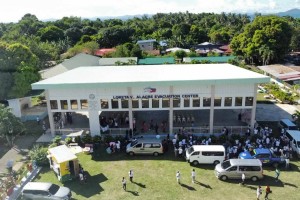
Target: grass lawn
(154, 178)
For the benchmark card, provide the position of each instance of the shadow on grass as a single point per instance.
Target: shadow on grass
(267, 180)
(187, 187)
(139, 184)
(135, 193)
(290, 184)
(203, 185)
(91, 188)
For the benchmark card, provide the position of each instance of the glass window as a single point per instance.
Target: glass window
(217, 101)
(74, 104)
(124, 103)
(84, 104)
(53, 104)
(104, 103)
(145, 103)
(155, 103)
(206, 101)
(238, 101)
(196, 153)
(165, 102)
(228, 101)
(135, 103)
(114, 103)
(232, 168)
(176, 102)
(186, 102)
(147, 145)
(64, 104)
(249, 101)
(196, 102)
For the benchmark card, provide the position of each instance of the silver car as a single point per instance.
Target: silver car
(42, 190)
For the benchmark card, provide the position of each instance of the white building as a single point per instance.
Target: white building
(155, 87)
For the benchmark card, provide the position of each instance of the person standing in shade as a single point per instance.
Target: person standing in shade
(178, 177)
(130, 173)
(277, 174)
(287, 163)
(193, 176)
(268, 191)
(124, 183)
(258, 192)
(243, 178)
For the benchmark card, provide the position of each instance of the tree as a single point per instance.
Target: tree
(10, 125)
(267, 38)
(51, 33)
(180, 54)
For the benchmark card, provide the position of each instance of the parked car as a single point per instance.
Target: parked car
(234, 168)
(43, 190)
(145, 146)
(266, 156)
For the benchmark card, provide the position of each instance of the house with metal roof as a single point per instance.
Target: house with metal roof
(146, 45)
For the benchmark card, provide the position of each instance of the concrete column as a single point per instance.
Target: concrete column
(171, 111)
(50, 114)
(94, 115)
(130, 113)
(212, 107)
(253, 112)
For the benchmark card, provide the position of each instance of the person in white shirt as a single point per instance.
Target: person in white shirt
(178, 177)
(130, 173)
(193, 176)
(180, 151)
(258, 192)
(124, 183)
(243, 178)
(118, 145)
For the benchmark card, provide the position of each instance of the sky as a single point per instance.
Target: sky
(14, 10)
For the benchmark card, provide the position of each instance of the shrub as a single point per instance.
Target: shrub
(68, 140)
(39, 154)
(87, 139)
(108, 139)
(56, 140)
(96, 139)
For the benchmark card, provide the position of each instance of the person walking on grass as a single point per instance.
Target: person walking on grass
(243, 179)
(130, 173)
(124, 183)
(193, 176)
(258, 192)
(178, 177)
(277, 174)
(268, 191)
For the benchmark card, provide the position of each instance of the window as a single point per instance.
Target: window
(206, 102)
(64, 104)
(84, 104)
(155, 103)
(228, 101)
(138, 145)
(104, 103)
(249, 101)
(176, 102)
(238, 101)
(124, 103)
(212, 153)
(135, 103)
(74, 104)
(114, 103)
(217, 101)
(231, 169)
(196, 102)
(165, 102)
(53, 104)
(156, 145)
(145, 103)
(147, 145)
(196, 153)
(186, 102)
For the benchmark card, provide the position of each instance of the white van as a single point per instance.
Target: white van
(294, 137)
(205, 154)
(234, 168)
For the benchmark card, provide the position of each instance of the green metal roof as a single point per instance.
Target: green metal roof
(216, 59)
(156, 61)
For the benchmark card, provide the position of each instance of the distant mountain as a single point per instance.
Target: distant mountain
(293, 13)
(124, 17)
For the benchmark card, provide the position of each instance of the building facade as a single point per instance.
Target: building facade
(147, 88)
